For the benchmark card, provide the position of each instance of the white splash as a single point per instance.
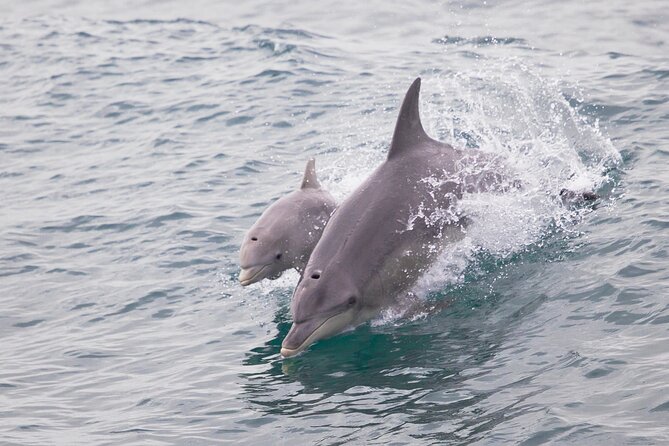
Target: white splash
(515, 115)
(519, 118)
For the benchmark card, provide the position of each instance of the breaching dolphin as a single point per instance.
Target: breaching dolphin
(387, 232)
(286, 233)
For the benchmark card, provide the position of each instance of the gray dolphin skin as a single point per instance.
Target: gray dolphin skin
(387, 232)
(286, 233)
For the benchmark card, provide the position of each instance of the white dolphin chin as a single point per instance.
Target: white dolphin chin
(253, 274)
(330, 327)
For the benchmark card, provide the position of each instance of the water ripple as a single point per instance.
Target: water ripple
(137, 145)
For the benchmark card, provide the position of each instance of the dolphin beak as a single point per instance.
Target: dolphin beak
(287, 352)
(303, 334)
(299, 338)
(252, 274)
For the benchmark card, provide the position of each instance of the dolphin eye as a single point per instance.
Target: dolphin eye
(352, 300)
(316, 276)
(255, 239)
(278, 256)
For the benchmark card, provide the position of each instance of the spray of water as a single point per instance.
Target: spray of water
(519, 119)
(524, 121)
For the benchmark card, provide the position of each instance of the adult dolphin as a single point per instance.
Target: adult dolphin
(387, 232)
(286, 233)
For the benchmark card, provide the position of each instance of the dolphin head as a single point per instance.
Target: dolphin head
(323, 305)
(264, 252)
(286, 233)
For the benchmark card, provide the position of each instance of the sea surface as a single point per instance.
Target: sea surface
(139, 140)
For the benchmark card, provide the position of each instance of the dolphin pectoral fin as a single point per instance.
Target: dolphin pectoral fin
(252, 274)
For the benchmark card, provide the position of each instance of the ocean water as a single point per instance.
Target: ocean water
(139, 140)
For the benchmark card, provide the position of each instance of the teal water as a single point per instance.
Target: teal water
(138, 141)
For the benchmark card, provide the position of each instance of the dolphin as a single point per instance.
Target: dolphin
(385, 234)
(286, 233)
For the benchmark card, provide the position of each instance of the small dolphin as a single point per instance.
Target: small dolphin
(286, 233)
(387, 232)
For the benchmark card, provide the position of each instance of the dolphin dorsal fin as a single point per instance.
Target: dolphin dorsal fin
(310, 181)
(408, 130)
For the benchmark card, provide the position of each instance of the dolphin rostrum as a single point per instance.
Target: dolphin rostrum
(387, 232)
(286, 233)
